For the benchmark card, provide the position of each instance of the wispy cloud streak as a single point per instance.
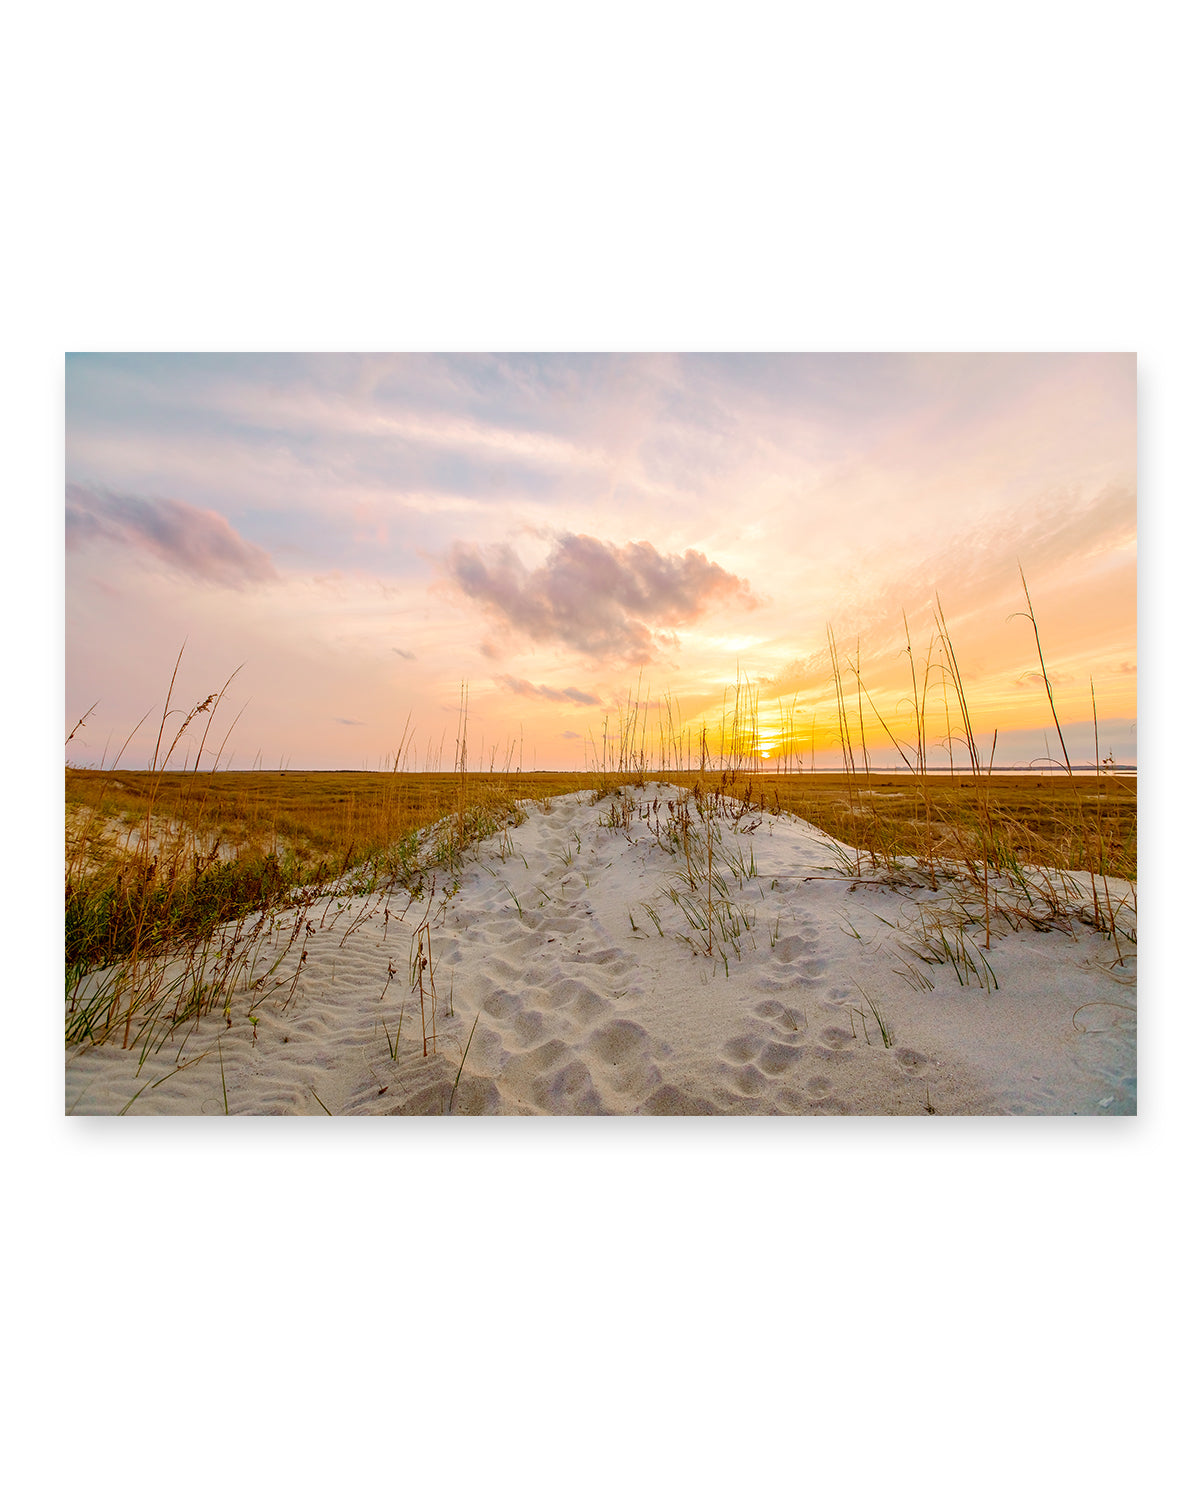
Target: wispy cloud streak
(198, 542)
(526, 689)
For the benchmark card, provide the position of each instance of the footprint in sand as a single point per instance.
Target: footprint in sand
(777, 1057)
(800, 952)
(529, 1028)
(797, 973)
(477, 1096)
(569, 1090)
(834, 1039)
(742, 1049)
(525, 943)
(502, 1005)
(670, 1100)
(785, 1021)
(746, 1080)
(755, 1063)
(488, 1052)
(570, 993)
(552, 1078)
(792, 949)
(623, 1051)
(833, 1043)
(552, 925)
(611, 960)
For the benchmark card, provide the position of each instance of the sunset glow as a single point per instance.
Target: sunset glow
(362, 535)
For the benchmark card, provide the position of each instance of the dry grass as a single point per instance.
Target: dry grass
(1044, 819)
(334, 817)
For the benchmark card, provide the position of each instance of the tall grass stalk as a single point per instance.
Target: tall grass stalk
(462, 1063)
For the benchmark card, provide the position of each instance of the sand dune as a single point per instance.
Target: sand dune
(577, 947)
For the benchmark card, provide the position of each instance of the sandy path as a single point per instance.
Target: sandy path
(591, 991)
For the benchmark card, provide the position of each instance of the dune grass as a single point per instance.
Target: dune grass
(158, 860)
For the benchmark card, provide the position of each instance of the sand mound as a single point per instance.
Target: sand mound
(599, 964)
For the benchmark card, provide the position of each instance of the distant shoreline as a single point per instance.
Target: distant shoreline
(659, 772)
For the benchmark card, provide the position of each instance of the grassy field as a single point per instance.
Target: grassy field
(341, 817)
(221, 841)
(1068, 823)
(334, 818)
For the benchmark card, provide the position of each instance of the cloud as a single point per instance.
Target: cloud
(526, 689)
(407, 655)
(353, 723)
(570, 734)
(197, 542)
(608, 602)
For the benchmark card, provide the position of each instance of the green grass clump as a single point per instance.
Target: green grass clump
(109, 919)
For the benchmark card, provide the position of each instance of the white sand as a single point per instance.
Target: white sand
(583, 1007)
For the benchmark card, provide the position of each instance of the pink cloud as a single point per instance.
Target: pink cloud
(608, 602)
(198, 542)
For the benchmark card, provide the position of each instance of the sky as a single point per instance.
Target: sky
(363, 540)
